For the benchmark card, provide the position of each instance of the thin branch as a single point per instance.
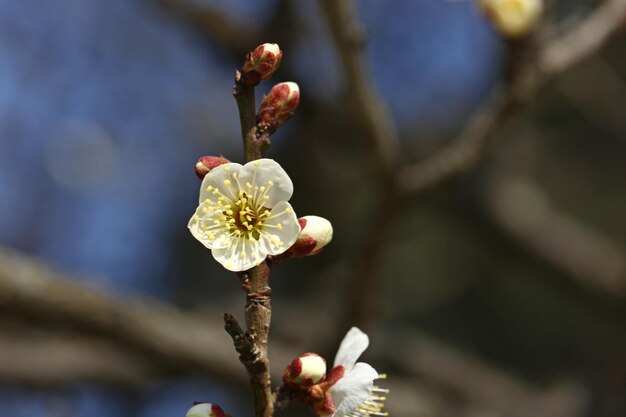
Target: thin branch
(584, 39)
(258, 310)
(525, 214)
(31, 290)
(45, 361)
(370, 114)
(238, 37)
(250, 356)
(482, 386)
(468, 149)
(366, 107)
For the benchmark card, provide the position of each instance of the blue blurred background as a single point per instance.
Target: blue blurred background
(105, 105)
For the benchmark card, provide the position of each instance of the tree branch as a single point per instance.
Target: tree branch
(583, 40)
(525, 214)
(238, 37)
(553, 57)
(31, 290)
(364, 104)
(51, 361)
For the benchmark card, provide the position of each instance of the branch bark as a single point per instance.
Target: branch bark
(258, 310)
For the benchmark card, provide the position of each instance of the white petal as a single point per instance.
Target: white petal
(242, 255)
(280, 229)
(353, 389)
(203, 227)
(352, 346)
(274, 185)
(220, 179)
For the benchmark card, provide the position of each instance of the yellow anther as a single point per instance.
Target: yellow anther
(257, 164)
(226, 169)
(243, 255)
(288, 210)
(196, 217)
(262, 188)
(216, 222)
(280, 226)
(204, 209)
(266, 197)
(226, 182)
(270, 183)
(234, 175)
(209, 188)
(248, 185)
(229, 212)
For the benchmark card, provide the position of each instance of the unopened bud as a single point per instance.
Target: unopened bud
(315, 233)
(262, 63)
(513, 18)
(206, 163)
(205, 410)
(305, 371)
(278, 106)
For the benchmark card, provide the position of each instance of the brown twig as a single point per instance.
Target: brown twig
(45, 361)
(370, 114)
(258, 311)
(363, 102)
(524, 213)
(252, 359)
(237, 37)
(583, 40)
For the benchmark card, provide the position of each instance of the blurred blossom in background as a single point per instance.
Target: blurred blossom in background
(105, 106)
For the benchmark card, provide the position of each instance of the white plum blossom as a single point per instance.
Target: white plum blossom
(243, 214)
(354, 394)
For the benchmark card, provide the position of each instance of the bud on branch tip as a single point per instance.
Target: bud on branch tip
(261, 63)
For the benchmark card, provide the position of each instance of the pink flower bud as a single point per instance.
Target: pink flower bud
(262, 63)
(206, 163)
(305, 371)
(315, 233)
(278, 106)
(206, 410)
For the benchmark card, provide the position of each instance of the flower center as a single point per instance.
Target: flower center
(245, 217)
